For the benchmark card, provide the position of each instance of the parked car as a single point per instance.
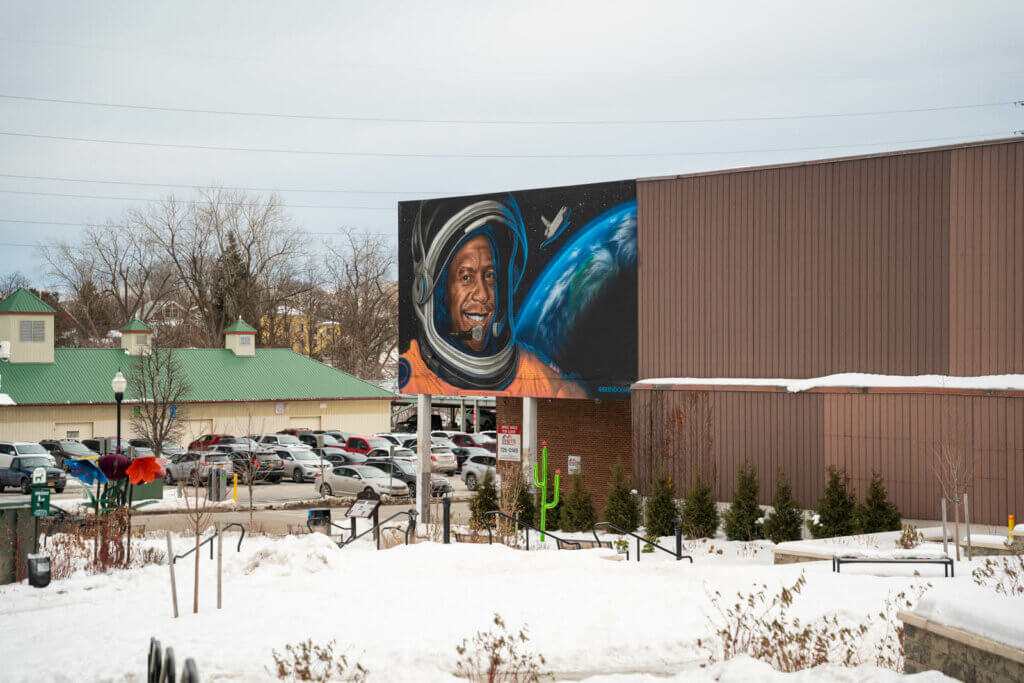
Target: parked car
(300, 464)
(12, 449)
(365, 444)
(279, 442)
(434, 441)
(341, 436)
(397, 438)
(168, 448)
(349, 480)
(406, 472)
(476, 468)
(400, 453)
(106, 444)
(67, 448)
(241, 445)
(295, 431)
(490, 434)
(463, 453)
(465, 439)
(260, 466)
(204, 442)
(339, 459)
(310, 439)
(442, 459)
(17, 472)
(194, 468)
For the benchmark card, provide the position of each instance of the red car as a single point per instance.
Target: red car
(364, 444)
(204, 442)
(296, 431)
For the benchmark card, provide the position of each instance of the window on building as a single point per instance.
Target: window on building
(73, 434)
(245, 340)
(32, 331)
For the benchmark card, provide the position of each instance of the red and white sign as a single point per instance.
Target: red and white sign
(510, 443)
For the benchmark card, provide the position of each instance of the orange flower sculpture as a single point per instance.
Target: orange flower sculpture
(144, 469)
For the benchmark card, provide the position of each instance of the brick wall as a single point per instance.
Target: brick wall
(600, 432)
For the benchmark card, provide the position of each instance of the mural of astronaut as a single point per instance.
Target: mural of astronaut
(527, 293)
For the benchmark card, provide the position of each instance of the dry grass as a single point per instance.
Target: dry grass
(1004, 575)
(308, 661)
(498, 656)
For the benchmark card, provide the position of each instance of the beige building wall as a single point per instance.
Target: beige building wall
(33, 423)
(27, 352)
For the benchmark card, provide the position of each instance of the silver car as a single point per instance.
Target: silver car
(476, 468)
(349, 480)
(193, 468)
(300, 464)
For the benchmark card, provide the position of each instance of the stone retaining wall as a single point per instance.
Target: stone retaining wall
(957, 653)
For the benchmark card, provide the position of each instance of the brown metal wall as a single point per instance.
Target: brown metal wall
(987, 260)
(839, 266)
(804, 434)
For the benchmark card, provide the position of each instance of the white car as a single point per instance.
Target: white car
(443, 460)
(397, 438)
(10, 449)
(476, 468)
(349, 480)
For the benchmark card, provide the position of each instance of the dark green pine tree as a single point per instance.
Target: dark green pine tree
(622, 508)
(878, 513)
(741, 517)
(578, 513)
(484, 500)
(786, 521)
(700, 516)
(661, 508)
(231, 280)
(835, 508)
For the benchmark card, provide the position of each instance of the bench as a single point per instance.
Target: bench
(947, 563)
(469, 538)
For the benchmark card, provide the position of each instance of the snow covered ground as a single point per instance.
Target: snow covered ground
(403, 611)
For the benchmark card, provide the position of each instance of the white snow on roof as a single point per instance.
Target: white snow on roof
(854, 379)
(6, 400)
(976, 609)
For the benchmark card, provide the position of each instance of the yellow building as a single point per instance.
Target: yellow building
(65, 393)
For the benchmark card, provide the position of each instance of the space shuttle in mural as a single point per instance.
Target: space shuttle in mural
(530, 293)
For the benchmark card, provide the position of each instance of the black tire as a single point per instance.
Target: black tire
(471, 481)
(169, 478)
(368, 490)
(276, 480)
(2, 487)
(58, 489)
(297, 476)
(26, 486)
(325, 489)
(412, 490)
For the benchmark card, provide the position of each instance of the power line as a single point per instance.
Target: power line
(127, 227)
(193, 201)
(501, 122)
(427, 155)
(223, 187)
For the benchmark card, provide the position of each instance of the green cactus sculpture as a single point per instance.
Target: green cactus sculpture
(542, 483)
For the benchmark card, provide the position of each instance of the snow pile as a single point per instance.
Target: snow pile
(854, 379)
(976, 609)
(988, 539)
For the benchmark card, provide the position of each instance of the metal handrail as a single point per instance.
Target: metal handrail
(638, 538)
(238, 548)
(411, 514)
(519, 522)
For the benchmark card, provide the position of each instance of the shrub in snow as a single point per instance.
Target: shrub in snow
(786, 521)
(700, 516)
(835, 516)
(622, 508)
(741, 517)
(497, 656)
(1004, 575)
(878, 513)
(578, 513)
(661, 508)
(910, 538)
(307, 661)
(485, 500)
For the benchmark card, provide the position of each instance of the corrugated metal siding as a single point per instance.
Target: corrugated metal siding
(893, 434)
(836, 267)
(987, 264)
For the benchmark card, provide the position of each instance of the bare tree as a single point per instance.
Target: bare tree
(157, 381)
(361, 305)
(198, 515)
(953, 466)
(247, 465)
(12, 282)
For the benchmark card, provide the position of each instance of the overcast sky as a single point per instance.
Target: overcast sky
(469, 61)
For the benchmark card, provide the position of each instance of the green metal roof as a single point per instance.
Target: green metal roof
(24, 301)
(136, 325)
(83, 376)
(240, 326)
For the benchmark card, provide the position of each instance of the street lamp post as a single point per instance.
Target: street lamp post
(118, 384)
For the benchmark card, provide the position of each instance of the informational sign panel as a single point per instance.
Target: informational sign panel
(279, 409)
(510, 443)
(574, 464)
(40, 502)
(505, 294)
(363, 508)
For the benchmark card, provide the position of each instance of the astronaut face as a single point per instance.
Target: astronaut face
(470, 289)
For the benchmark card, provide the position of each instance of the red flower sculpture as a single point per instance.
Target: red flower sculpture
(114, 465)
(143, 469)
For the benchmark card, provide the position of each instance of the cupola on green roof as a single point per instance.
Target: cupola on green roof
(24, 301)
(240, 327)
(136, 325)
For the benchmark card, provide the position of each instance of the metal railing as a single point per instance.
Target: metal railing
(209, 541)
(527, 527)
(674, 553)
(411, 514)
